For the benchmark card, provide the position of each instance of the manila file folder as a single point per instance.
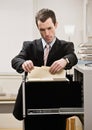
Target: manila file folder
(42, 73)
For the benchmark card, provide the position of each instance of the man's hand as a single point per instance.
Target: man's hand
(27, 66)
(58, 65)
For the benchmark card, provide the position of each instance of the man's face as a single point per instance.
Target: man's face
(47, 30)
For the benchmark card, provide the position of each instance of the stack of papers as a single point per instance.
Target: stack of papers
(85, 51)
(42, 73)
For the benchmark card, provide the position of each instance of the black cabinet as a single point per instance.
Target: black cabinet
(49, 104)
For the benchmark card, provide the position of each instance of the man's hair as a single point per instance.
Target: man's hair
(44, 14)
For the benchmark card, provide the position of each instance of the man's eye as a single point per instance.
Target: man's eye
(42, 30)
(49, 28)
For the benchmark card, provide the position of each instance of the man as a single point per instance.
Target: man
(61, 53)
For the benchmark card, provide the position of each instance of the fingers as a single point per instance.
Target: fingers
(54, 68)
(27, 66)
(57, 66)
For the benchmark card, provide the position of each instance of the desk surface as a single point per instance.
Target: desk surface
(7, 97)
(7, 103)
(10, 128)
(6, 106)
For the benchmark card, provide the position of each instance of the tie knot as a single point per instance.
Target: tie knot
(47, 46)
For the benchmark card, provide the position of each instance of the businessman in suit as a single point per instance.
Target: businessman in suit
(61, 54)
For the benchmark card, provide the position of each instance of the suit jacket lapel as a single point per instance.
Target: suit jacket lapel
(54, 49)
(53, 52)
(40, 51)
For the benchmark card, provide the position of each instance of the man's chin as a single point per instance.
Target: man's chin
(48, 41)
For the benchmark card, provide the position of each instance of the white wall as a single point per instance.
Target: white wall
(16, 18)
(89, 19)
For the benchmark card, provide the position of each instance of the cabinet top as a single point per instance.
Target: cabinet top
(84, 68)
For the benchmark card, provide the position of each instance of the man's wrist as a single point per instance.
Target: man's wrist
(66, 60)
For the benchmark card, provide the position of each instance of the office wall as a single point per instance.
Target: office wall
(89, 19)
(17, 24)
(16, 21)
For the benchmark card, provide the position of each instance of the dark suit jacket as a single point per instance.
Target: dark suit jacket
(33, 50)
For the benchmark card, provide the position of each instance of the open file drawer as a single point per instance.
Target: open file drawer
(48, 104)
(60, 94)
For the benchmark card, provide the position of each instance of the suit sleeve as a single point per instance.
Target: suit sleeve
(70, 54)
(18, 60)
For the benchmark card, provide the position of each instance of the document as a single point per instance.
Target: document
(42, 73)
(74, 123)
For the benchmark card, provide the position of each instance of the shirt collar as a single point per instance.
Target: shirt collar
(51, 44)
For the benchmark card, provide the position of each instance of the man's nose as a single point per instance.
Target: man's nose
(47, 32)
